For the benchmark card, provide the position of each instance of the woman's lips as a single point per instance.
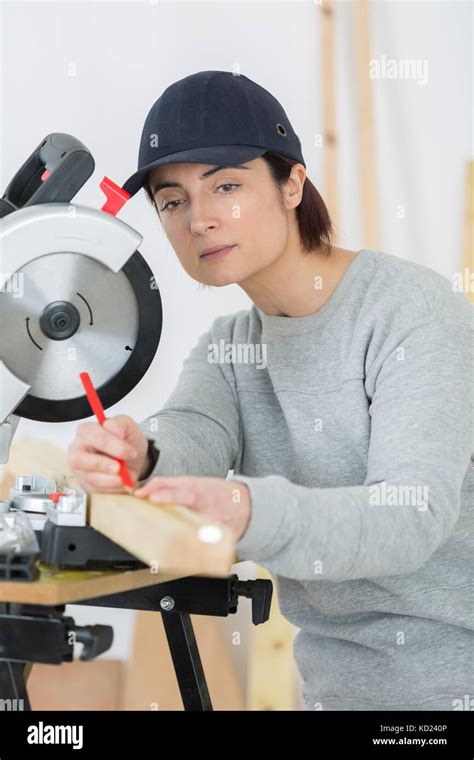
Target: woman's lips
(217, 254)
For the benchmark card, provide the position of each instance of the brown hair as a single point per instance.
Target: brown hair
(314, 222)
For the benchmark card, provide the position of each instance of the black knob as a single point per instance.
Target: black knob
(96, 639)
(60, 320)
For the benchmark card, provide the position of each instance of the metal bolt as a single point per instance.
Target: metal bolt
(167, 603)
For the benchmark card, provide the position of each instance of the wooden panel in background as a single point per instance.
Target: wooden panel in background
(366, 129)
(272, 668)
(151, 681)
(468, 258)
(76, 685)
(328, 57)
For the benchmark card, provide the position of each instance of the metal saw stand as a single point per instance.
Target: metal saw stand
(42, 634)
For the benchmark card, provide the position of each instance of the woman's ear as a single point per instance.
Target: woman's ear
(293, 189)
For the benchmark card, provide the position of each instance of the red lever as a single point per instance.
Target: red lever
(116, 196)
(45, 175)
(55, 496)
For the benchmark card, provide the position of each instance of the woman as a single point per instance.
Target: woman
(342, 400)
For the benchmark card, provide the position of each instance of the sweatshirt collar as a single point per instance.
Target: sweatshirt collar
(284, 326)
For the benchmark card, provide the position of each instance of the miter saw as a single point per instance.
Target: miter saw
(75, 294)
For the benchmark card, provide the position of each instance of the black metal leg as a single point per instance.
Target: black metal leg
(187, 661)
(13, 693)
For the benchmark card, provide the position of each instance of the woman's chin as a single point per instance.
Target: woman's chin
(220, 277)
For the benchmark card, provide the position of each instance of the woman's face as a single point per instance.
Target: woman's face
(231, 206)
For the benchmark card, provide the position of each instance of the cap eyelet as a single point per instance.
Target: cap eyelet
(281, 130)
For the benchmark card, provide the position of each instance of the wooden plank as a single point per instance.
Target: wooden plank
(39, 457)
(67, 586)
(165, 536)
(172, 539)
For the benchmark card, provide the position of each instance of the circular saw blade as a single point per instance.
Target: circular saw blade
(120, 319)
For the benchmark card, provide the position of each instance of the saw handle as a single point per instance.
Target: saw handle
(55, 171)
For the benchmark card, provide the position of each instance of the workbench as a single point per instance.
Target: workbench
(34, 629)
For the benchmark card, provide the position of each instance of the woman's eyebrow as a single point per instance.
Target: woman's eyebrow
(159, 186)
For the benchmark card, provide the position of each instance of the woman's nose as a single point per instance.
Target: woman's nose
(202, 217)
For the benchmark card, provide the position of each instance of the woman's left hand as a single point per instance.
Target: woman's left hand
(222, 501)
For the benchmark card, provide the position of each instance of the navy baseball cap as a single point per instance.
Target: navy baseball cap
(213, 117)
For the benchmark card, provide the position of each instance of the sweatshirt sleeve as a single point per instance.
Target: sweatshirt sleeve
(197, 431)
(421, 432)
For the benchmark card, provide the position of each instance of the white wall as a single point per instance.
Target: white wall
(93, 69)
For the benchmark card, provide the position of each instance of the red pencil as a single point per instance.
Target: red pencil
(98, 410)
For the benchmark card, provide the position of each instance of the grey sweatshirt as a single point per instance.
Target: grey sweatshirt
(353, 429)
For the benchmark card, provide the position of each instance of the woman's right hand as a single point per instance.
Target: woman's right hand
(91, 453)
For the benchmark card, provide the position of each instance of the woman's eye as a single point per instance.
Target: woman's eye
(228, 184)
(169, 206)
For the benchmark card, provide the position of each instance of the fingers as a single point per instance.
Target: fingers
(94, 452)
(82, 460)
(98, 482)
(176, 490)
(126, 428)
(160, 482)
(98, 437)
(120, 425)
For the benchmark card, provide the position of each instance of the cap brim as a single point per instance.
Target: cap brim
(218, 154)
